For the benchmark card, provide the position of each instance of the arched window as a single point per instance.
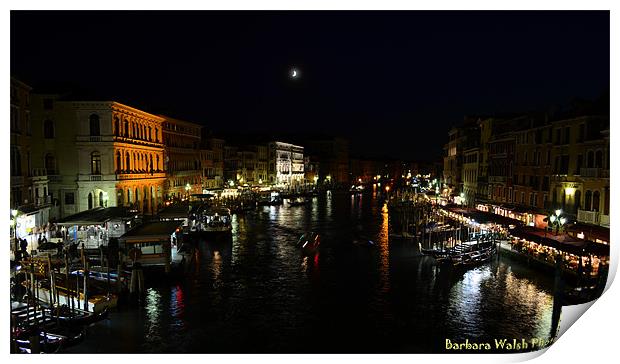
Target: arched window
(126, 129)
(100, 199)
(48, 129)
(90, 200)
(95, 163)
(117, 125)
(149, 134)
(127, 164)
(50, 164)
(588, 203)
(94, 125)
(157, 162)
(119, 167)
(157, 135)
(150, 162)
(598, 159)
(596, 201)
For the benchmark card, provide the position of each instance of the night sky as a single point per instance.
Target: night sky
(392, 82)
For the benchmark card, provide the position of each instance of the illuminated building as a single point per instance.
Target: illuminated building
(286, 164)
(181, 157)
(98, 153)
(212, 163)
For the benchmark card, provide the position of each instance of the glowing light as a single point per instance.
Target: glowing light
(294, 73)
(188, 187)
(558, 212)
(552, 218)
(570, 191)
(13, 213)
(562, 220)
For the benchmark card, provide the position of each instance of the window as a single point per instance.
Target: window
(94, 125)
(598, 159)
(567, 135)
(596, 201)
(16, 162)
(95, 163)
(117, 126)
(48, 129)
(69, 198)
(588, 202)
(50, 164)
(579, 164)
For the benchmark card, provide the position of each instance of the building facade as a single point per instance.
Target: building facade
(182, 157)
(212, 163)
(286, 164)
(98, 154)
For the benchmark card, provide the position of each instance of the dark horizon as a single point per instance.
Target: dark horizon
(377, 78)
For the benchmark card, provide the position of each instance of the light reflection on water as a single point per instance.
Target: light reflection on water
(258, 293)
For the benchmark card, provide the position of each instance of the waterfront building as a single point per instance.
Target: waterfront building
(333, 156)
(182, 157)
(580, 176)
(98, 154)
(311, 170)
(30, 200)
(362, 170)
(471, 166)
(21, 138)
(286, 164)
(482, 184)
(232, 158)
(459, 139)
(212, 163)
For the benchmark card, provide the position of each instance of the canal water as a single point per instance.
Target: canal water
(259, 294)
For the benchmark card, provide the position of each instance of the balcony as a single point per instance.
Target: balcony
(130, 176)
(42, 201)
(594, 173)
(603, 220)
(589, 217)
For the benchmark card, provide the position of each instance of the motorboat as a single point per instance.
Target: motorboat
(299, 202)
(309, 243)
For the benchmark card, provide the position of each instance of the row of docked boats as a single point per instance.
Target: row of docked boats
(464, 255)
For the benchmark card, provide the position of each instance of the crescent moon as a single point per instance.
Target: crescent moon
(294, 73)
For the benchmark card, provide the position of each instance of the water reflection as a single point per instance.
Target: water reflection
(256, 292)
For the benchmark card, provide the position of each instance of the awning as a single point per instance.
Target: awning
(562, 242)
(593, 231)
(151, 231)
(96, 216)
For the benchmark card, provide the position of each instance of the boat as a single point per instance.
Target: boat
(269, 198)
(464, 255)
(298, 202)
(51, 339)
(216, 220)
(309, 243)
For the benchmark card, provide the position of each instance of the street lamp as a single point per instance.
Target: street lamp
(557, 220)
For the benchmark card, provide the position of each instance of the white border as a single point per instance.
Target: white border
(592, 337)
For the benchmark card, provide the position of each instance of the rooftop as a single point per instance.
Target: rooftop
(152, 230)
(98, 215)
